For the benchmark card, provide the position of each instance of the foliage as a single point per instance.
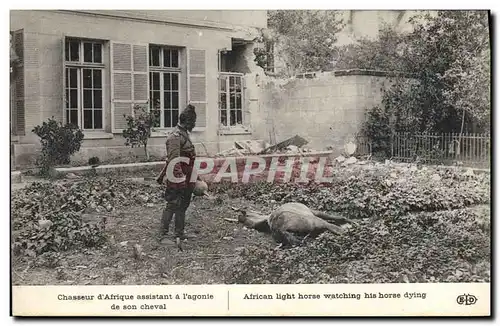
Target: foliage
(304, 38)
(373, 192)
(49, 217)
(140, 125)
(94, 160)
(447, 246)
(449, 57)
(58, 142)
(415, 225)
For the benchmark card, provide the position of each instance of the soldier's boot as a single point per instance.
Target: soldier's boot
(166, 219)
(180, 220)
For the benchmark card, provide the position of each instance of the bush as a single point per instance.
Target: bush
(94, 161)
(139, 127)
(58, 142)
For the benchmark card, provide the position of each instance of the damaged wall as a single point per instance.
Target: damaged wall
(328, 110)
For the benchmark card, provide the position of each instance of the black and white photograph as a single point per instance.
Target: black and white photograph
(250, 147)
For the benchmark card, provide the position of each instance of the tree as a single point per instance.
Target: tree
(304, 38)
(140, 125)
(448, 56)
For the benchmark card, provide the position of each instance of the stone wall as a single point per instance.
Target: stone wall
(327, 110)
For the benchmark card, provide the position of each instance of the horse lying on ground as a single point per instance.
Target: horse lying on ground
(293, 220)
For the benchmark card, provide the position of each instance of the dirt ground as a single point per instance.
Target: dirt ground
(214, 242)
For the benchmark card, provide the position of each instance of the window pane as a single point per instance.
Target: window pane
(97, 53)
(97, 80)
(87, 99)
(166, 100)
(157, 122)
(74, 117)
(175, 82)
(166, 81)
(166, 58)
(222, 85)
(98, 99)
(97, 119)
(67, 100)
(175, 117)
(154, 56)
(223, 117)
(175, 58)
(156, 99)
(232, 101)
(238, 101)
(232, 117)
(239, 117)
(167, 119)
(74, 50)
(156, 81)
(68, 117)
(223, 103)
(175, 100)
(237, 83)
(73, 98)
(87, 52)
(87, 78)
(73, 78)
(66, 77)
(87, 119)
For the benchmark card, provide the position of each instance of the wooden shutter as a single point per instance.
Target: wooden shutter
(197, 85)
(19, 124)
(64, 99)
(129, 81)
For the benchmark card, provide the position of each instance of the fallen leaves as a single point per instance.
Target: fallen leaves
(59, 216)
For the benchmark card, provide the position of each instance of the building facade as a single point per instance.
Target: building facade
(91, 68)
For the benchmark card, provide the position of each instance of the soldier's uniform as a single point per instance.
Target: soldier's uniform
(178, 194)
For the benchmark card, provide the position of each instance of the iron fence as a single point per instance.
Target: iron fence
(442, 148)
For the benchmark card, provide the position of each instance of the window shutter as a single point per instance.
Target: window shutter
(129, 81)
(140, 74)
(63, 66)
(197, 88)
(19, 108)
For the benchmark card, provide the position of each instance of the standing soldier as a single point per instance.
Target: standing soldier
(178, 194)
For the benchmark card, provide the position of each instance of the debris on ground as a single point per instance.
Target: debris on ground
(292, 145)
(242, 148)
(296, 141)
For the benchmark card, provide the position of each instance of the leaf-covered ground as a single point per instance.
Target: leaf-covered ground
(416, 225)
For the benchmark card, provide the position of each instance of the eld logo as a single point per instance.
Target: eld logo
(466, 299)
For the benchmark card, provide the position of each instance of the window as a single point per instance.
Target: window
(84, 75)
(164, 84)
(230, 99)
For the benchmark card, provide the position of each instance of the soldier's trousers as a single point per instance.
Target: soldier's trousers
(178, 201)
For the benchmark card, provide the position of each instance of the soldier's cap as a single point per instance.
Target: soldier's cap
(188, 114)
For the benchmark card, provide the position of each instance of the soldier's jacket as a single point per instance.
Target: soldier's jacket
(179, 144)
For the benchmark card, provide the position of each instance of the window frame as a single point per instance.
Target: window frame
(228, 76)
(80, 65)
(162, 70)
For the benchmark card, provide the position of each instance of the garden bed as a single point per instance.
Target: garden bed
(424, 225)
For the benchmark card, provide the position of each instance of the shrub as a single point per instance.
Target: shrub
(58, 142)
(94, 161)
(139, 127)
